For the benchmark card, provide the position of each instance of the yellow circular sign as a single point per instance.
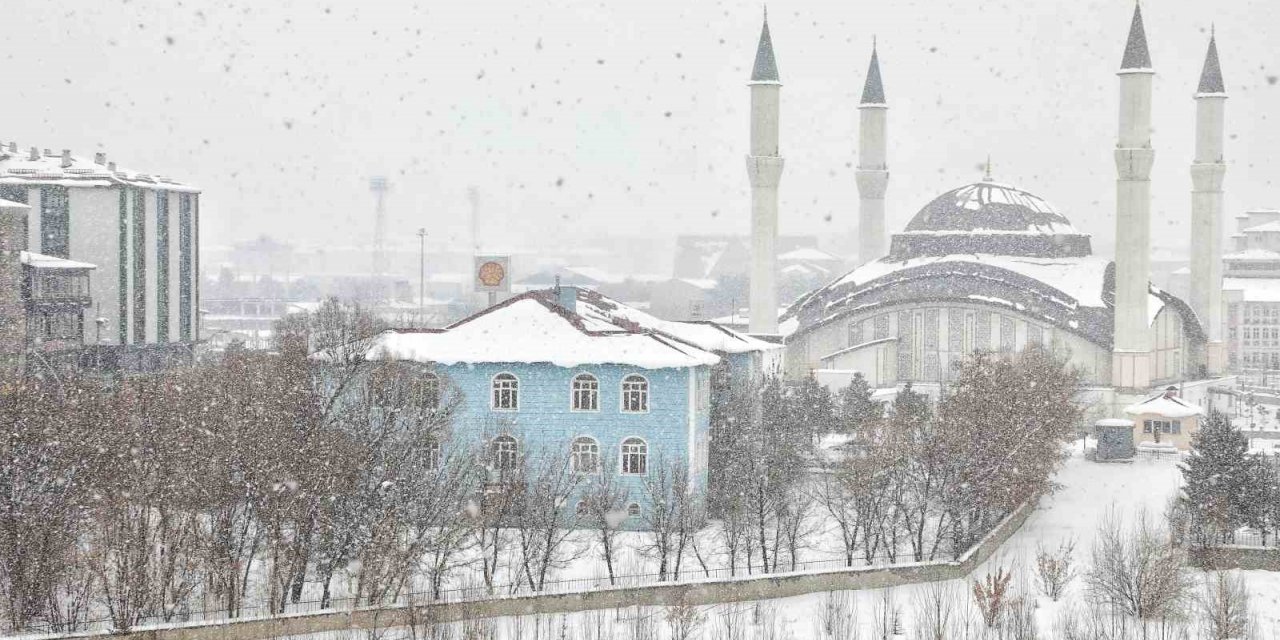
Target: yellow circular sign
(492, 273)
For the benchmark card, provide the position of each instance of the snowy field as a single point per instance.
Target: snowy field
(1089, 494)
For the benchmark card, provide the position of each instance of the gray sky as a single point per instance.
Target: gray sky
(583, 117)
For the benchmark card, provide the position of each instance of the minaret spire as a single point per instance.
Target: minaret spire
(1207, 172)
(764, 171)
(873, 88)
(1136, 54)
(1131, 357)
(766, 67)
(873, 167)
(1211, 74)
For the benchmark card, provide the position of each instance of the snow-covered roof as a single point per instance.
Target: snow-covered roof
(1266, 227)
(708, 336)
(1254, 289)
(41, 261)
(1078, 277)
(808, 254)
(1164, 405)
(17, 166)
(533, 328)
(989, 217)
(1113, 422)
(1253, 254)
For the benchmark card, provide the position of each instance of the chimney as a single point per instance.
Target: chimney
(99, 158)
(111, 166)
(66, 158)
(1171, 391)
(35, 154)
(47, 152)
(13, 147)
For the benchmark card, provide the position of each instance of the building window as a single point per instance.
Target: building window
(506, 392)
(635, 394)
(585, 456)
(635, 457)
(185, 233)
(431, 455)
(881, 328)
(504, 453)
(1162, 426)
(633, 510)
(586, 393)
(55, 222)
(1007, 328)
(855, 333)
(139, 266)
(162, 266)
(398, 385)
(583, 508)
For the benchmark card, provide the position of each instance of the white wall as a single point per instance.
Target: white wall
(95, 219)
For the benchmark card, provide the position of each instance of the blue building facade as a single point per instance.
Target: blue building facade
(571, 373)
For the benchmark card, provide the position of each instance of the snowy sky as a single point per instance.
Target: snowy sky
(621, 117)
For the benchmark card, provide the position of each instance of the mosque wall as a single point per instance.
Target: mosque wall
(921, 342)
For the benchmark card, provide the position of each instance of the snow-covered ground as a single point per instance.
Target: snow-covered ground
(1089, 494)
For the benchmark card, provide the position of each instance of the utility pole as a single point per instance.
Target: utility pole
(422, 275)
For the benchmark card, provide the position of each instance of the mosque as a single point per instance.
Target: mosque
(989, 266)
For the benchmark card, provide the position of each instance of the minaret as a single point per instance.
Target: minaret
(873, 168)
(1131, 358)
(764, 170)
(1207, 171)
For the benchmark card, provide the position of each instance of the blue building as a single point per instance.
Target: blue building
(570, 370)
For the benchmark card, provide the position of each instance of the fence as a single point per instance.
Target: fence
(807, 578)
(480, 592)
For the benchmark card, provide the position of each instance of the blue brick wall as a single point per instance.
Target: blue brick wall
(546, 421)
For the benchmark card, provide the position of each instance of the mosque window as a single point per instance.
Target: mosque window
(855, 333)
(504, 453)
(635, 394)
(635, 457)
(1035, 335)
(506, 392)
(1007, 328)
(585, 455)
(586, 392)
(881, 327)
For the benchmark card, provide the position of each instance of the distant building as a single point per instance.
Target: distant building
(141, 230)
(578, 373)
(42, 300)
(1251, 292)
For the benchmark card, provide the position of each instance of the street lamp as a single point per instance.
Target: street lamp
(422, 275)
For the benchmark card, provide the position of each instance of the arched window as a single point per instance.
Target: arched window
(583, 508)
(585, 455)
(586, 392)
(504, 453)
(635, 457)
(506, 392)
(633, 510)
(428, 390)
(431, 455)
(635, 394)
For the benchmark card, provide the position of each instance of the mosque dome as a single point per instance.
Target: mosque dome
(990, 218)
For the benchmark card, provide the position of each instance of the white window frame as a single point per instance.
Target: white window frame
(430, 380)
(433, 455)
(496, 456)
(645, 397)
(594, 391)
(493, 392)
(622, 456)
(573, 455)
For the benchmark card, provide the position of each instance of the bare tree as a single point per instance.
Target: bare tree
(1055, 568)
(545, 520)
(1137, 571)
(605, 501)
(1223, 606)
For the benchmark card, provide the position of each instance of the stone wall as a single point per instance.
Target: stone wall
(740, 589)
